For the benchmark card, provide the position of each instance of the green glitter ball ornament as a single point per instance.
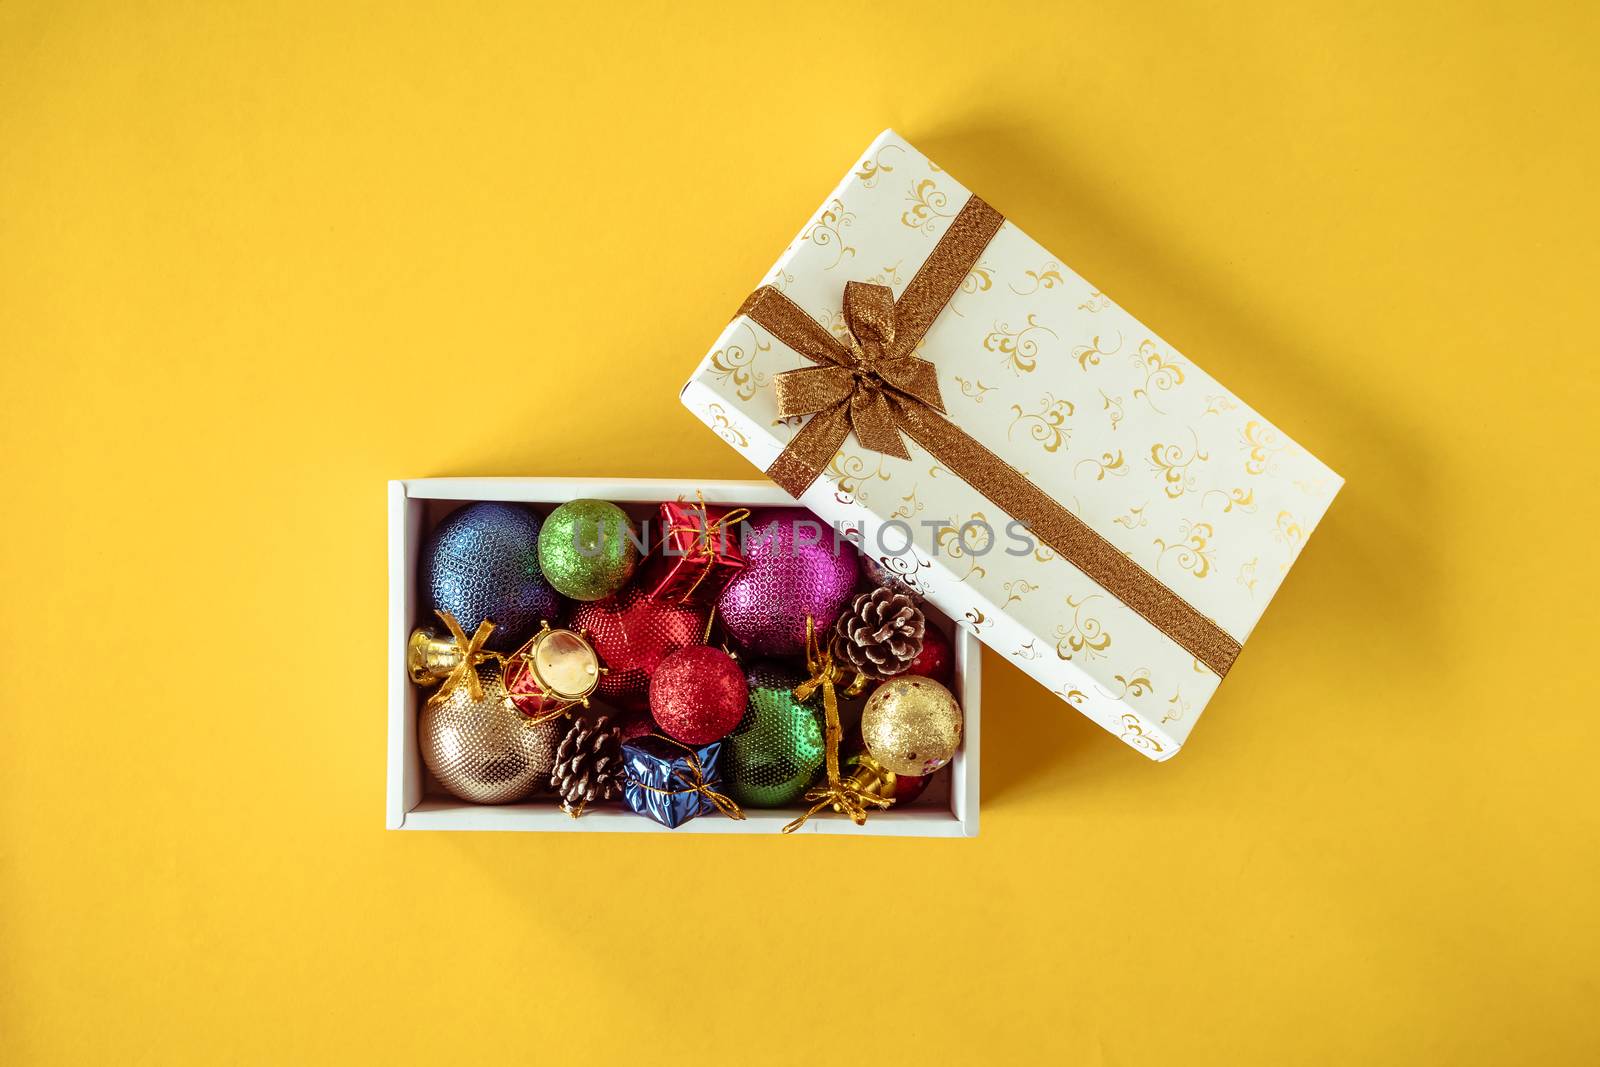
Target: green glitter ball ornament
(588, 549)
(773, 754)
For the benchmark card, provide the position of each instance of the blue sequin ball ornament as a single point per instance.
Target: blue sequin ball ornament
(483, 563)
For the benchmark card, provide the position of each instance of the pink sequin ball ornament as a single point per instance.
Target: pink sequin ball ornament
(794, 568)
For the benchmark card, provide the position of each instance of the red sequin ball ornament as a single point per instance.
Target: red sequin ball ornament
(937, 660)
(632, 634)
(698, 694)
(638, 726)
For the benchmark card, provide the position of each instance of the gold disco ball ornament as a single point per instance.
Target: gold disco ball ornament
(484, 750)
(911, 725)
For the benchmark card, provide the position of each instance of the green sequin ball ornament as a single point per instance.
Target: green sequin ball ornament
(773, 754)
(588, 549)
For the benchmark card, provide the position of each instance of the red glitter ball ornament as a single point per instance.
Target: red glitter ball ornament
(698, 694)
(632, 634)
(937, 660)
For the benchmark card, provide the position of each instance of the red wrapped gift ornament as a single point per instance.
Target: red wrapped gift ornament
(698, 554)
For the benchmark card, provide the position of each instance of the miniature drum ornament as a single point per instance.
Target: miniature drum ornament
(555, 671)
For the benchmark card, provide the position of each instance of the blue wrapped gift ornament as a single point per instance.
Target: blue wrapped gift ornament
(672, 783)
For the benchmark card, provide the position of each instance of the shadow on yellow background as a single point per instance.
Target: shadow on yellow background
(255, 259)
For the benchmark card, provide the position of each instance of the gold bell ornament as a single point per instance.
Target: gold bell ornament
(871, 778)
(431, 659)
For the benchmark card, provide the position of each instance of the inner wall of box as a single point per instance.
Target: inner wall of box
(936, 798)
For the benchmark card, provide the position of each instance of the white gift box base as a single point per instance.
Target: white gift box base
(414, 802)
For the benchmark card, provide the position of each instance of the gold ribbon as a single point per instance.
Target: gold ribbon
(472, 654)
(873, 385)
(695, 781)
(843, 795)
(732, 518)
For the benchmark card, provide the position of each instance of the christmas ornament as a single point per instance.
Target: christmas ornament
(552, 673)
(588, 549)
(912, 725)
(794, 569)
(698, 553)
(880, 634)
(842, 794)
(637, 726)
(937, 660)
(483, 563)
(774, 752)
(431, 658)
(698, 694)
(632, 635)
(481, 748)
(672, 783)
(872, 778)
(588, 764)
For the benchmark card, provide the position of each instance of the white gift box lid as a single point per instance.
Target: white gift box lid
(1127, 433)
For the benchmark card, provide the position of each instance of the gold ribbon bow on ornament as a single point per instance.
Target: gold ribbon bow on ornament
(873, 385)
(472, 654)
(843, 795)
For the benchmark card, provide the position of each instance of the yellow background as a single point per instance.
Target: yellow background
(256, 259)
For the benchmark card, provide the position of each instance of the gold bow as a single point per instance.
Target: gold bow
(861, 386)
(844, 795)
(472, 654)
(875, 387)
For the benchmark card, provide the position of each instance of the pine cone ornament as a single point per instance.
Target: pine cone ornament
(881, 633)
(588, 764)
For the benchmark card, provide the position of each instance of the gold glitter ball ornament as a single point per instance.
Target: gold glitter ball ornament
(912, 725)
(485, 750)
